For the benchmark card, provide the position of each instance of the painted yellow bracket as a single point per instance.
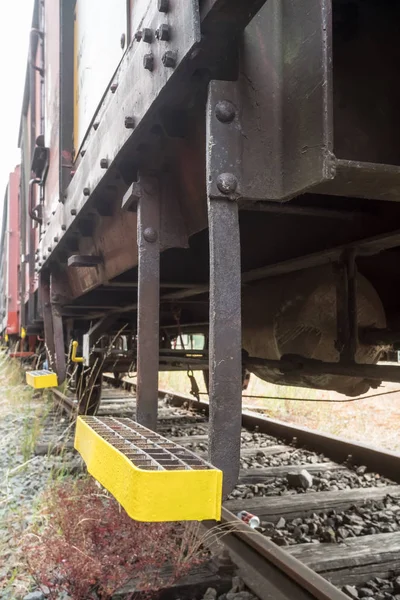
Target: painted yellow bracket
(153, 479)
(75, 358)
(41, 379)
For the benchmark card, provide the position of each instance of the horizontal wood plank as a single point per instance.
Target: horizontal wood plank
(271, 508)
(354, 561)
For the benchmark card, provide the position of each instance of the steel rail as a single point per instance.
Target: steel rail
(267, 569)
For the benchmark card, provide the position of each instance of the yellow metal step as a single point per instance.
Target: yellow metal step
(41, 379)
(153, 478)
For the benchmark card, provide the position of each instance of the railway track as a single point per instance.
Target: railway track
(328, 509)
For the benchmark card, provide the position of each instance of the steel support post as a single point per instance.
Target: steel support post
(148, 319)
(225, 356)
(346, 307)
(47, 319)
(58, 331)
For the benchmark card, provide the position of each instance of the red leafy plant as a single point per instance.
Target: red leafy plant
(86, 545)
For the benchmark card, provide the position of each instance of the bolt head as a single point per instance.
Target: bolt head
(148, 62)
(227, 183)
(123, 41)
(225, 111)
(169, 59)
(104, 163)
(138, 35)
(73, 211)
(150, 235)
(63, 228)
(86, 191)
(163, 33)
(147, 35)
(56, 238)
(113, 87)
(163, 5)
(96, 126)
(129, 122)
(83, 152)
(49, 248)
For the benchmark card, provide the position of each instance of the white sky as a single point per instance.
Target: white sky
(14, 39)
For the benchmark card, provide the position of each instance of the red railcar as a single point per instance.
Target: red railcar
(10, 268)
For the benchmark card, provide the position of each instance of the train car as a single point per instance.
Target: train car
(221, 168)
(10, 299)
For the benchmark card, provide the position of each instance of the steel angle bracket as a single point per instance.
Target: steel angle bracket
(224, 154)
(152, 478)
(145, 74)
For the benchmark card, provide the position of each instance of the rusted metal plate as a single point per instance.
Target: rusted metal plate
(115, 239)
(135, 97)
(285, 90)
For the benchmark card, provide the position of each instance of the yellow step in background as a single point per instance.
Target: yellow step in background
(41, 379)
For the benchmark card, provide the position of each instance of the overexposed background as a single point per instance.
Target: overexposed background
(14, 40)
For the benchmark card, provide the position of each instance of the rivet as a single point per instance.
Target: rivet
(163, 5)
(163, 33)
(122, 41)
(148, 62)
(150, 235)
(49, 248)
(83, 152)
(73, 211)
(86, 191)
(104, 163)
(96, 126)
(147, 35)
(129, 122)
(63, 228)
(169, 59)
(56, 238)
(225, 111)
(113, 87)
(138, 35)
(44, 256)
(227, 183)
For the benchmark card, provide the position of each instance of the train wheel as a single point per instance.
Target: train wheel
(88, 392)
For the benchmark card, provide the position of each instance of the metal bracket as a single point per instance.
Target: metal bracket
(225, 357)
(148, 301)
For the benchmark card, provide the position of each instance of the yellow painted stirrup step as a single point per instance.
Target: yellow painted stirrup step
(153, 479)
(41, 379)
(74, 357)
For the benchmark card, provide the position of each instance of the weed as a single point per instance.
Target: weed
(85, 542)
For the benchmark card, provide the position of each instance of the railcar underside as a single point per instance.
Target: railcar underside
(251, 196)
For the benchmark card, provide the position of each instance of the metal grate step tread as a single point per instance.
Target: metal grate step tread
(153, 478)
(41, 379)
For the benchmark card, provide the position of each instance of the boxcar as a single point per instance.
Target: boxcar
(221, 168)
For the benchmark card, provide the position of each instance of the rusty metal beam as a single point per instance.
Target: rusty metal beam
(346, 307)
(148, 302)
(225, 340)
(309, 366)
(363, 247)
